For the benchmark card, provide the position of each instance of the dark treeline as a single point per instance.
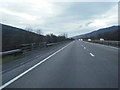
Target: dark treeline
(110, 33)
(53, 38)
(113, 35)
(13, 37)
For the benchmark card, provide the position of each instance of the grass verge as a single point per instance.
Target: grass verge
(106, 43)
(11, 58)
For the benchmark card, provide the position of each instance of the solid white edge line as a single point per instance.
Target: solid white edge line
(92, 54)
(17, 77)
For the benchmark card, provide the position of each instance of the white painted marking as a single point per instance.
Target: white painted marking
(92, 54)
(84, 47)
(17, 77)
(81, 45)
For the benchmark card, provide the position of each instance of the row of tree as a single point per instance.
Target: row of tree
(113, 35)
(109, 33)
(13, 37)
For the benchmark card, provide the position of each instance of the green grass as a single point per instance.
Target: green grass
(11, 58)
(107, 43)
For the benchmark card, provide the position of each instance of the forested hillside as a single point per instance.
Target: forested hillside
(110, 33)
(13, 37)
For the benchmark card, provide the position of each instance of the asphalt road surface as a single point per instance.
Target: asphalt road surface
(78, 65)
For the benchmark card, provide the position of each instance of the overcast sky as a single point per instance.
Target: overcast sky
(73, 18)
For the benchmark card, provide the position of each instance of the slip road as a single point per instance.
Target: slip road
(77, 65)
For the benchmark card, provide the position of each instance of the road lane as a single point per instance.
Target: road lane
(103, 53)
(37, 56)
(74, 67)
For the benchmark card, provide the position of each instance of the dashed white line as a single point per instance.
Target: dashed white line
(92, 54)
(17, 77)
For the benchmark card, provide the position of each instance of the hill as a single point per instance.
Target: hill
(110, 33)
(13, 37)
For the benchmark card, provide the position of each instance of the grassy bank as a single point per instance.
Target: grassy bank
(11, 58)
(107, 43)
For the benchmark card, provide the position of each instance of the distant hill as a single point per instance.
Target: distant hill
(13, 37)
(110, 33)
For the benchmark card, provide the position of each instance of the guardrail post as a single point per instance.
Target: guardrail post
(45, 44)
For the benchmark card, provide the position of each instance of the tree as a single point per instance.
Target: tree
(38, 31)
(29, 29)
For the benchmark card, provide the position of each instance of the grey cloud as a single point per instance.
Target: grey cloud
(73, 18)
(86, 10)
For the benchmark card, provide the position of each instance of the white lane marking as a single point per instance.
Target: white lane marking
(17, 77)
(84, 47)
(92, 54)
